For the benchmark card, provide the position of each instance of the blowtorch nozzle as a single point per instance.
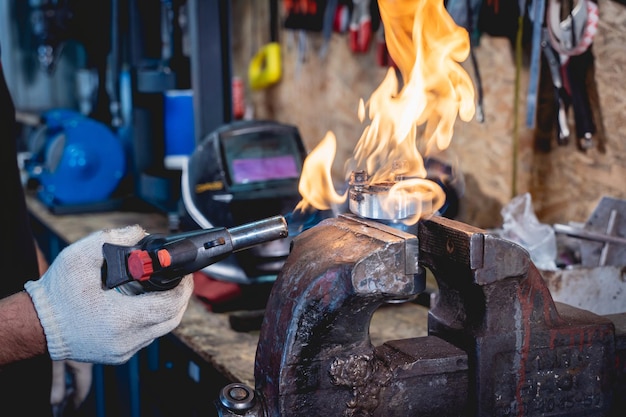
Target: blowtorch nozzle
(251, 234)
(159, 262)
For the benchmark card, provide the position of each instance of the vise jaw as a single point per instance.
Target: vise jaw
(497, 344)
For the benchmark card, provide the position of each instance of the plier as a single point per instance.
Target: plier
(561, 97)
(360, 26)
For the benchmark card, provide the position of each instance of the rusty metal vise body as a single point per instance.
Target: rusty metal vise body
(497, 344)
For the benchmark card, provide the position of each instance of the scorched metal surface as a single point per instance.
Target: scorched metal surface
(498, 345)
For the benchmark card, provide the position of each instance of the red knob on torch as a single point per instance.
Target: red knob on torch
(140, 265)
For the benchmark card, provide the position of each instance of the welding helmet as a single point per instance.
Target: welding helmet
(242, 172)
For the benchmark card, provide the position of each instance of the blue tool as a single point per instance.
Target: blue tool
(76, 160)
(537, 17)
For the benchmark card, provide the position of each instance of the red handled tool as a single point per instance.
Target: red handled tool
(158, 262)
(360, 26)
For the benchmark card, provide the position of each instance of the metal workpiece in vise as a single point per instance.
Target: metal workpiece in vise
(497, 343)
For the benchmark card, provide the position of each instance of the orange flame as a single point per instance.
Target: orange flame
(316, 185)
(417, 197)
(427, 46)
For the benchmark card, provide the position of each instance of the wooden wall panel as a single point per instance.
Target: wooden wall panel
(321, 93)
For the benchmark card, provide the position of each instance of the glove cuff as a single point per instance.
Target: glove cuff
(57, 348)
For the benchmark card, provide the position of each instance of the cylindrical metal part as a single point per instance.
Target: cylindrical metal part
(371, 202)
(261, 231)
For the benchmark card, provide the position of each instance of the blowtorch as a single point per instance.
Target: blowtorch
(158, 262)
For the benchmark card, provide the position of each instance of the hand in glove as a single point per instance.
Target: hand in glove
(83, 321)
(71, 380)
(71, 383)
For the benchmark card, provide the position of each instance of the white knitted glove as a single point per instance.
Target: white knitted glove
(69, 393)
(83, 321)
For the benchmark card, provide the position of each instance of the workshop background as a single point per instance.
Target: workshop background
(565, 182)
(322, 81)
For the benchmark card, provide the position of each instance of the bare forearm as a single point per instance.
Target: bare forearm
(21, 334)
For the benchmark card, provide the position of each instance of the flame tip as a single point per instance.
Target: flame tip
(414, 108)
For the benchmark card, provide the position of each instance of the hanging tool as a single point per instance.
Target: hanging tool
(360, 26)
(265, 67)
(573, 34)
(303, 16)
(538, 43)
(576, 70)
(561, 96)
(480, 107)
(341, 19)
(328, 25)
(571, 29)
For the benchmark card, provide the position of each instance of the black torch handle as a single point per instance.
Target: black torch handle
(159, 262)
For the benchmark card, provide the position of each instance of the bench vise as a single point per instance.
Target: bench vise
(497, 343)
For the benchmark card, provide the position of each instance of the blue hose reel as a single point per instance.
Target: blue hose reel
(76, 160)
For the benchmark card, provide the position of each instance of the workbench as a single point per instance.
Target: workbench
(203, 353)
